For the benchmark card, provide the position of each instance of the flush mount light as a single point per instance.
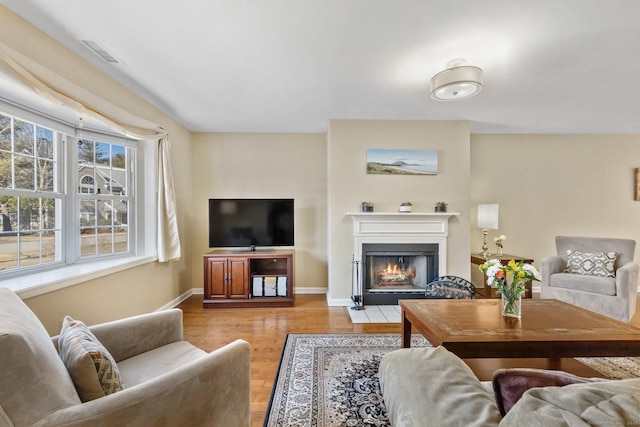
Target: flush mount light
(458, 81)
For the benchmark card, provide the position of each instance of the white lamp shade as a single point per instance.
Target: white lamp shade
(488, 216)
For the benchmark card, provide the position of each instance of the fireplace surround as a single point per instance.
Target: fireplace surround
(396, 254)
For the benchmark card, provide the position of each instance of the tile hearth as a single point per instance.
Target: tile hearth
(376, 314)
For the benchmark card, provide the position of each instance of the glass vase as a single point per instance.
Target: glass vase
(512, 306)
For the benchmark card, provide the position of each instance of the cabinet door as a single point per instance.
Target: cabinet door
(215, 278)
(238, 283)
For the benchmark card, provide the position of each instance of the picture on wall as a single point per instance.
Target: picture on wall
(402, 162)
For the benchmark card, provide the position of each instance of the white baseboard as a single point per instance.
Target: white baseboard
(173, 303)
(339, 302)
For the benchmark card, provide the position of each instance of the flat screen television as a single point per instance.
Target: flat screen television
(238, 223)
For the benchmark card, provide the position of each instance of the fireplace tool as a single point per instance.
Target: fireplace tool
(356, 296)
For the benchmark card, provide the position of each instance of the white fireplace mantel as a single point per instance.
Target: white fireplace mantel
(368, 223)
(402, 227)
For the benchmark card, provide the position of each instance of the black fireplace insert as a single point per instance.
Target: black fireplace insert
(393, 271)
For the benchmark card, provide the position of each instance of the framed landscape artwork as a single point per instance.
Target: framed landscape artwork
(402, 162)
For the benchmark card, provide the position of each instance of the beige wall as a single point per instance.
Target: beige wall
(349, 184)
(136, 290)
(265, 165)
(548, 185)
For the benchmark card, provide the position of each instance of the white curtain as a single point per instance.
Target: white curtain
(168, 238)
(62, 91)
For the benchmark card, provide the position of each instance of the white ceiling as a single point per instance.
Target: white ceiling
(550, 66)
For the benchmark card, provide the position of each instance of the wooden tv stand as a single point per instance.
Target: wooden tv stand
(262, 278)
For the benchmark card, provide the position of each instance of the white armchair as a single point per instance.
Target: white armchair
(167, 381)
(611, 296)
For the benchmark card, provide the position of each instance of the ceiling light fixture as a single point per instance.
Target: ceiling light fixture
(458, 81)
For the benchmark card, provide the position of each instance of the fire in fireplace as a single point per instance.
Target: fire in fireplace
(395, 275)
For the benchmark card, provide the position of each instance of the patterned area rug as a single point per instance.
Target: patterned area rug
(332, 380)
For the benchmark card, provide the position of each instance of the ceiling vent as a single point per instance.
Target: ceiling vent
(100, 51)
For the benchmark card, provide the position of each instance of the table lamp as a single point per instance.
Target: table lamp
(487, 220)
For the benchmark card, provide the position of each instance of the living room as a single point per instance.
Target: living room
(577, 179)
(545, 184)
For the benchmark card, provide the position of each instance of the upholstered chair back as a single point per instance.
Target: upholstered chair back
(625, 248)
(33, 380)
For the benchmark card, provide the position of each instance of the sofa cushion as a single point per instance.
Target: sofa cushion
(582, 282)
(607, 403)
(510, 384)
(433, 387)
(154, 363)
(591, 263)
(33, 379)
(93, 370)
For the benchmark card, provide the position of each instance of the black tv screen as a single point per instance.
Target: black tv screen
(235, 223)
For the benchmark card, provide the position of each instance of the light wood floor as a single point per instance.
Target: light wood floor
(266, 330)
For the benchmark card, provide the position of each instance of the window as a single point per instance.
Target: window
(103, 199)
(63, 199)
(30, 196)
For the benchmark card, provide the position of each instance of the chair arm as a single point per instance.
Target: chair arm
(550, 265)
(211, 391)
(135, 335)
(627, 280)
(510, 384)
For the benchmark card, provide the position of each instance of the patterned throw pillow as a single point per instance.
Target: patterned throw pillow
(594, 264)
(93, 370)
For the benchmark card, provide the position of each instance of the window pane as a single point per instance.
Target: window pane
(105, 212)
(5, 133)
(23, 136)
(45, 175)
(8, 251)
(121, 239)
(88, 242)
(85, 152)
(120, 212)
(86, 181)
(24, 172)
(118, 157)
(29, 249)
(48, 214)
(8, 208)
(44, 143)
(49, 243)
(88, 214)
(117, 184)
(103, 180)
(6, 171)
(29, 213)
(105, 240)
(102, 153)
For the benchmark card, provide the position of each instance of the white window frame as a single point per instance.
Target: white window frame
(73, 270)
(75, 198)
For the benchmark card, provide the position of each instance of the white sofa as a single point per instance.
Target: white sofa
(167, 381)
(432, 387)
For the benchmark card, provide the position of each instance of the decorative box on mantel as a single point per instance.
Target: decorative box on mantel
(403, 236)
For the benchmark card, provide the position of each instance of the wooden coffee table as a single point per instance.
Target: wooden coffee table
(548, 329)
